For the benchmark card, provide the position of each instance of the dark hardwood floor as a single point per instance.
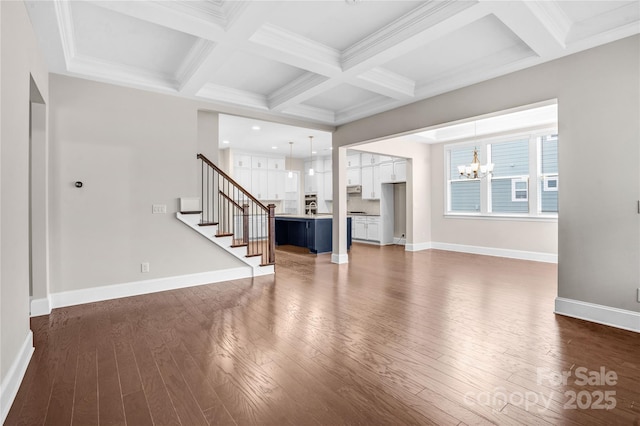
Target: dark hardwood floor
(391, 338)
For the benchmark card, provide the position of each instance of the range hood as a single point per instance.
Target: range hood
(354, 189)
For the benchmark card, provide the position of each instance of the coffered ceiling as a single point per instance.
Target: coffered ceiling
(327, 62)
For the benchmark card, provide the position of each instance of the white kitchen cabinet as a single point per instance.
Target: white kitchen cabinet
(366, 228)
(259, 162)
(371, 183)
(373, 228)
(276, 181)
(353, 160)
(327, 164)
(243, 177)
(318, 166)
(354, 176)
(359, 228)
(395, 171)
(368, 159)
(275, 163)
(242, 160)
(291, 183)
(259, 185)
(327, 186)
(310, 183)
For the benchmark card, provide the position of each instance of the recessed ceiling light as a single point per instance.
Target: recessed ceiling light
(225, 141)
(255, 127)
(314, 152)
(274, 147)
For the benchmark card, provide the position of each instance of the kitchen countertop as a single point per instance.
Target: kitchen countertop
(304, 216)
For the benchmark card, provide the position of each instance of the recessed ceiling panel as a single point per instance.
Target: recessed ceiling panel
(342, 97)
(485, 38)
(585, 10)
(120, 39)
(254, 74)
(596, 17)
(340, 24)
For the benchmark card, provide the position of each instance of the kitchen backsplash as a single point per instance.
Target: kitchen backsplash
(355, 203)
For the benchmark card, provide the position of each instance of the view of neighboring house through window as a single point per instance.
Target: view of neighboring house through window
(510, 180)
(509, 189)
(548, 173)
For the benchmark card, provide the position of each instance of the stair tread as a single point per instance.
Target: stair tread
(207, 223)
(191, 212)
(254, 255)
(268, 264)
(224, 235)
(239, 245)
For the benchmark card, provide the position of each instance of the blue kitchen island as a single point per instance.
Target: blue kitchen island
(313, 232)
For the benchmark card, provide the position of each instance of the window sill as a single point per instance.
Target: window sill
(520, 218)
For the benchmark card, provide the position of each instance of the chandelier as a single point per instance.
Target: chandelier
(475, 170)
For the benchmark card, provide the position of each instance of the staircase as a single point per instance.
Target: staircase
(232, 218)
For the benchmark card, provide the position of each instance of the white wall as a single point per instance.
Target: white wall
(598, 94)
(19, 57)
(131, 149)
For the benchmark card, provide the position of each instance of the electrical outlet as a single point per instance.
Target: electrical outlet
(159, 208)
(144, 267)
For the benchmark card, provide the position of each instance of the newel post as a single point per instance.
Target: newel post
(245, 223)
(272, 233)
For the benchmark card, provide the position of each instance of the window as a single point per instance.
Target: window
(548, 173)
(464, 195)
(522, 183)
(509, 183)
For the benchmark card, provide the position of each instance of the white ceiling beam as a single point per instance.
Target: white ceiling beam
(376, 50)
(387, 83)
(422, 25)
(279, 44)
(543, 26)
(228, 95)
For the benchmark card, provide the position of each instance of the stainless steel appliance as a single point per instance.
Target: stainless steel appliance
(354, 189)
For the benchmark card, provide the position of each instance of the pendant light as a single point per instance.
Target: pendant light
(290, 174)
(311, 172)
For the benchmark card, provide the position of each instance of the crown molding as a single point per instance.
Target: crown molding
(553, 18)
(109, 71)
(67, 34)
(301, 86)
(214, 92)
(418, 20)
(311, 113)
(196, 57)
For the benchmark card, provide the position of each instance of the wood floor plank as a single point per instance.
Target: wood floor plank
(136, 409)
(393, 337)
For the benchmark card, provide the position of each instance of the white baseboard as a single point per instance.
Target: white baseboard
(401, 241)
(339, 258)
(606, 315)
(491, 251)
(417, 246)
(98, 294)
(40, 307)
(12, 380)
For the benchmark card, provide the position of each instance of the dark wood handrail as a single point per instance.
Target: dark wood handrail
(226, 176)
(238, 206)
